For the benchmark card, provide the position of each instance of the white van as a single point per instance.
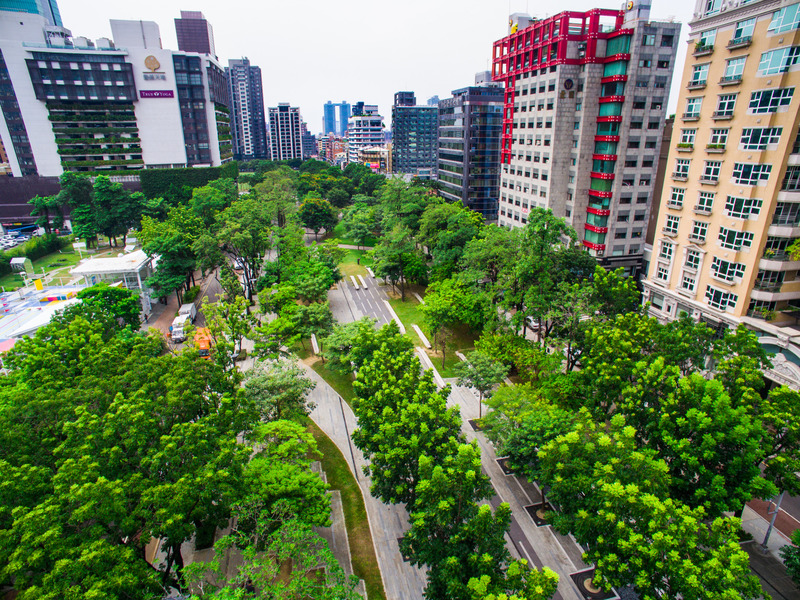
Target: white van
(188, 309)
(177, 331)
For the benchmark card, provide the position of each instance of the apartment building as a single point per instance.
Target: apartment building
(731, 199)
(286, 142)
(584, 110)
(364, 129)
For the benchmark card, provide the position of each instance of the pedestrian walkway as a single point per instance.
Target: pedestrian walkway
(387, 523)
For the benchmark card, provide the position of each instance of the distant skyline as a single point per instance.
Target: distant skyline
(312, 51)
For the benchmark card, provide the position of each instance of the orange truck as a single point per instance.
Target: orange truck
(202, 340)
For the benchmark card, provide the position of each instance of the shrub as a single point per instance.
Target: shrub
(190, 295)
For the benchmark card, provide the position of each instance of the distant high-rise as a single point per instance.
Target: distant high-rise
(248, 125)
(414, 135)
(308, 142)
(433, 101)
(335, 118)
(195, 34)
(470, 126)
(47, 8)
(284, 132)
(364, 129)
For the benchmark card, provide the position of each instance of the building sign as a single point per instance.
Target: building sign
(151, 62)
(156, 94)
(154, 76)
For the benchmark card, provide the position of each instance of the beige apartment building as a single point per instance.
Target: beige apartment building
(730, 205)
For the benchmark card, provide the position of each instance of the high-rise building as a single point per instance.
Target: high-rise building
(731, 201)
(248, 125)
(433, 101)
(334, 118)
(585, 102)
(72, 104)
(414, 135)
(308, 141)
(46, 8)
(195, 33)
(470, 124)
(285, 133)
(364, 129)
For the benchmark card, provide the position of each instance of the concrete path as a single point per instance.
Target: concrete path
(387, 523)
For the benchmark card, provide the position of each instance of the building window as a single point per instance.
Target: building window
(742, 208)
(687, 136)
(791, 180)
(699, 74)
(688, 282)
(662, 64)
(726, 270)
(693, 107)
(704, 202)
(758, 138)
(770, 101)
(750, 174)
(725, 105)
(645, 63)
(667, 40)
(734, 68)
(712, 7)
(744, 30)
(662, 272)
(692, 259)
(676, 197)
(649, 40)
(734, 240)
(778, 61)
(666, 250)
(699, 231)
(719, 137)
(711, 170)
(671, 226)
(785, 19)
(681, 168)
(707, 38)
(720, 299)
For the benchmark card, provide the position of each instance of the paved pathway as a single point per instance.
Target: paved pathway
(387, 523)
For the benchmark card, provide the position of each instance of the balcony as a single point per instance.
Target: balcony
(684, 147)
(730, 80)
(697, 239)
(709, 181)
(679, 176)
(722, 115)
(691, 116)
(779, 260)
(697, 84)
(701, 210)
(784, 231)
(715, 148)
(703, 50)
(670, 232)
(740, 42)
(674, 205)
(772, 291)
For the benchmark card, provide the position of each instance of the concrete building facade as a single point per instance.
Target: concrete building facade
(364, 129)
(72, 104)
(286, 141)
(470, 126)
(596, 82)
(731, 200)
(248, 124)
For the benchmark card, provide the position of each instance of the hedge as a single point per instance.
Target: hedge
(95, 130)
(92, 140)
(162, 183)
(79, 151)
(35, 248)
(101, 163)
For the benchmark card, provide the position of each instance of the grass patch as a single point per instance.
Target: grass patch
(462, 339)
(362, 550)
(55, 264)
(350, 263)
(341, 383)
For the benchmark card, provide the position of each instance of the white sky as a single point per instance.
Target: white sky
(312, 51)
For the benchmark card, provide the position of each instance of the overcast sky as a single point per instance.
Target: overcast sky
(312, 51)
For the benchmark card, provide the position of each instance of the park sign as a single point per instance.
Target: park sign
(156, 94)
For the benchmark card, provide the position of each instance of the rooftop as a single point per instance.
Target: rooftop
(127, 263)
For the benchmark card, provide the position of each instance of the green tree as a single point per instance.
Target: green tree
(520, 583)
(455, 536)
(445, 229)
(790, 553)
(48, 211)
(397, 260)
(279, 390)
(350, 345)
(615, 293)
(229, 319)
(76, 192)
(317, 213)
(313, 282)
(118, 302)
(481, 373)
(210, 200)
(117, 209)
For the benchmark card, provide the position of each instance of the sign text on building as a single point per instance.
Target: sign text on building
(156, 94)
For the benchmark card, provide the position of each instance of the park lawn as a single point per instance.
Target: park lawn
(57, 263)
(362, 550)
(349, 265)
(462, 339)
(342, 383)
(340, 234)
